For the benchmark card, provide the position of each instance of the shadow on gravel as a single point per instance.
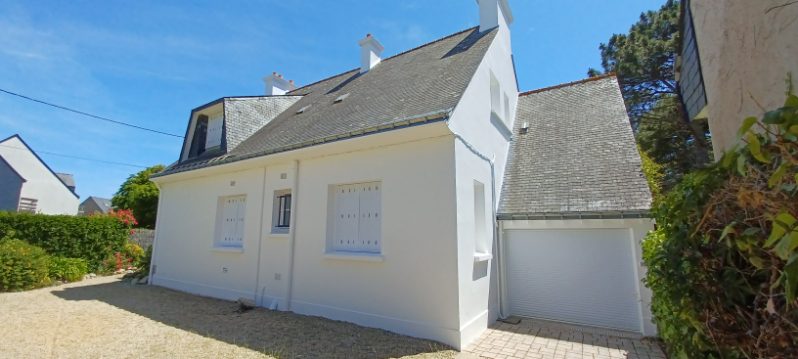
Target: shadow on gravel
(279, 334)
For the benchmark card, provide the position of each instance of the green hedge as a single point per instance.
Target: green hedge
(93, 238)
(22, 266)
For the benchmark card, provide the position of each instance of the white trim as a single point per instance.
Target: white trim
(406, 327)
(481, 257)
(355, 256)
(472, 329)
(201, 289)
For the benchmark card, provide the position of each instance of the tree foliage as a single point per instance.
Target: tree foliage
(643, 59)
(139, 195)
(723, 262)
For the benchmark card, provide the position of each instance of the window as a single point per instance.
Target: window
(495, 95)
(507, 118)
(281, 213)
(230, 221)
(214, 135)
(356, 218)
(480, 226)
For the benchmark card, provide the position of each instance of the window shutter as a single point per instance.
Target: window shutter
(346, 218)
(369, 222)
(229, 225)
(214, 135)
(239, 223)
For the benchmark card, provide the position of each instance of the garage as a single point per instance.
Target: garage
(582, 276)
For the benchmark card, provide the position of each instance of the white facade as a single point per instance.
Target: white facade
(395, 230)
(41, 187)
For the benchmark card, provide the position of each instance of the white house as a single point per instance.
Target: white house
(419, 193)
(27, 184)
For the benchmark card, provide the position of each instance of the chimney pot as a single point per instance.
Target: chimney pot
(370, 50)
(277, 85)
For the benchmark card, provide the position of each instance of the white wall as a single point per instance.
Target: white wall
(41, 184)
(481, 136)
(637, 227)
(411, 289)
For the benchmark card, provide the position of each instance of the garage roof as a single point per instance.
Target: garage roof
(578, 156)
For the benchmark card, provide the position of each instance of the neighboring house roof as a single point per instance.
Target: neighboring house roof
(40, 160)
(68, 179)
(578, 157)
(418, 85)
(3, 160)
(103, 204)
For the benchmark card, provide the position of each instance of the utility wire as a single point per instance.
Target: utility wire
(88, 114)
(77, 157)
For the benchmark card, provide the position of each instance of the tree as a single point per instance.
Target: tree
(139, 195)
(643, 59)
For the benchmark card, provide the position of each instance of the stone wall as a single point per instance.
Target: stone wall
(747, 48)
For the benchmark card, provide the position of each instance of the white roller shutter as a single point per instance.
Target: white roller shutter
(577, 276)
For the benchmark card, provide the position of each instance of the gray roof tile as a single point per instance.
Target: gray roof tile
(578, 156)
(428, 79)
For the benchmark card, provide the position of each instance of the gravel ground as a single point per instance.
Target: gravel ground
(107, 318)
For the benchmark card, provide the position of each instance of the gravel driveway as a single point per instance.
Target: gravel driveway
(108, 318)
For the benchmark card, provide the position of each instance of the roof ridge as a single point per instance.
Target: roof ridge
(572, 83)
(386, 59)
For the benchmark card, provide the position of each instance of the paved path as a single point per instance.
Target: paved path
(548, 340)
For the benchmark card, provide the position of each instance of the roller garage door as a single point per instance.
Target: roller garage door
(577, 276)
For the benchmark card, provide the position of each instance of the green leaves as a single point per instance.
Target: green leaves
(755, 147)
(747, 123)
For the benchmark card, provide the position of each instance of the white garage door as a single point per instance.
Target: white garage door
(577, 276)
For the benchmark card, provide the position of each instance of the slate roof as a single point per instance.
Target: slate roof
(68, 179)
(246, 115)
(424, 82)
(578, 157)
(104, 204)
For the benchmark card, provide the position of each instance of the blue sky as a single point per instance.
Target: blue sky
(151, 62)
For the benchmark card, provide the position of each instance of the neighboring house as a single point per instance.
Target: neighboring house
(735, 58)
(94, 205)
(418, 193)
(27, 184)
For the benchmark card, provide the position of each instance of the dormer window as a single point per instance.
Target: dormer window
(207, 134)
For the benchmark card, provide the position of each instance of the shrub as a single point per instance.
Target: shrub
(723, 263)
(91, 238)
(22, 265)
(133, 253)
(68, 269)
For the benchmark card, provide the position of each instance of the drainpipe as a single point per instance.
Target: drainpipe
(259, 299)
(496, 223)
(500, 269)
(292, 236)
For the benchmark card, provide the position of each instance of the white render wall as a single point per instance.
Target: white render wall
(40, 183)
(411, 289)
(482, 140)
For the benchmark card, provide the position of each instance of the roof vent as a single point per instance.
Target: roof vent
(303, 109)
(370, 50)
(524, 128)
(276, 85)
(341, 98)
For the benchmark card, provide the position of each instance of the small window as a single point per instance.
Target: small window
(507, 118)
(356, 218)
(28, 205)
(495, 95)
(481, 238)
(281, 216)
(231, 212)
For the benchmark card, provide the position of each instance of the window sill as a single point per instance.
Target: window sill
(354, 256)
(228, 249)
(482, 257)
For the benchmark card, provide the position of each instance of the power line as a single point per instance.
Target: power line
(88, 114)
(77, 157)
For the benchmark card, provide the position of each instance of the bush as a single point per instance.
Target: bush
(133, 253)
(68, 269)
(22, 266)
(723, 262)
(91, 238)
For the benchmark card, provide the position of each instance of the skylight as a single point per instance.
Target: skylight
(303, 109)
(341, 98)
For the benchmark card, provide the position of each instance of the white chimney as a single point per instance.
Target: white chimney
(494, 13)
(277, 85)
(370, 50)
